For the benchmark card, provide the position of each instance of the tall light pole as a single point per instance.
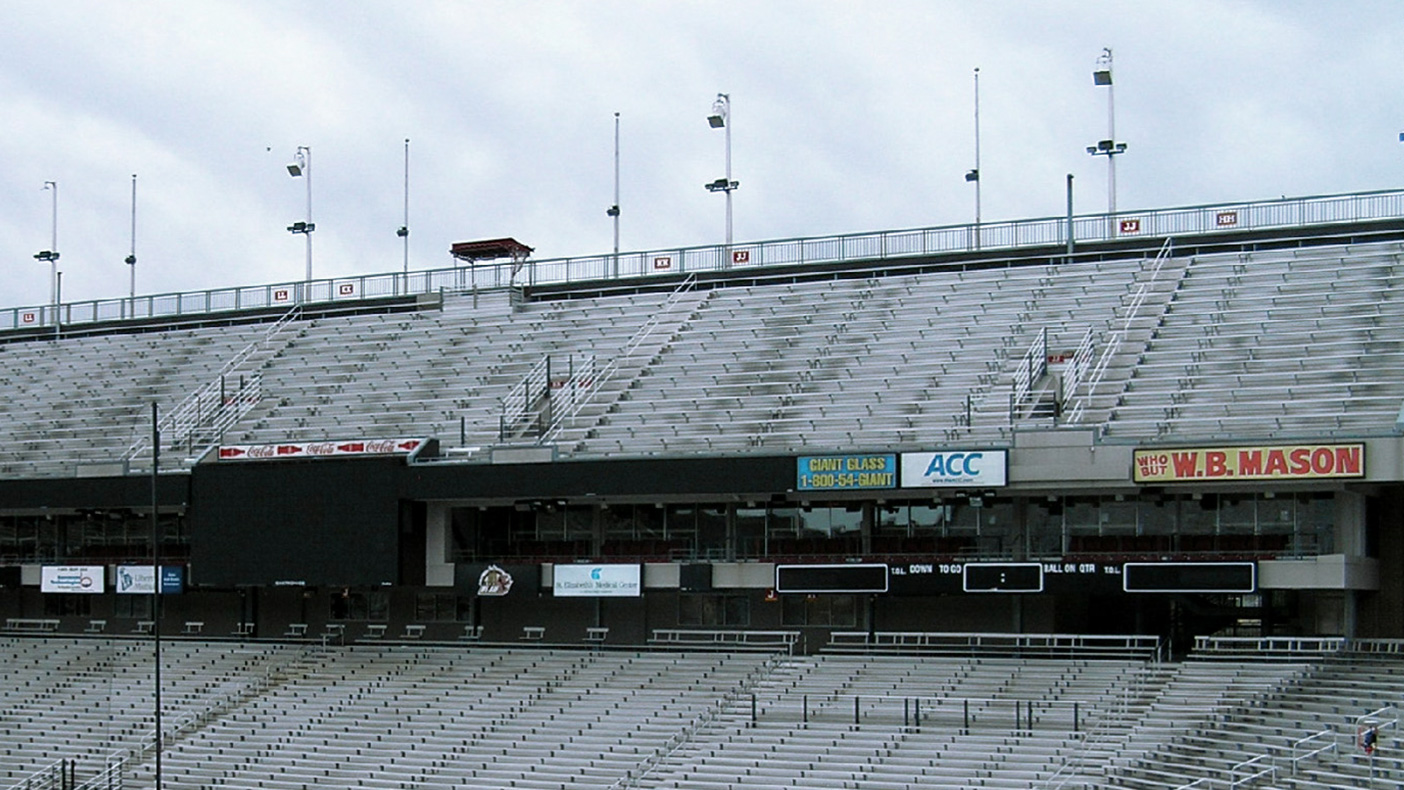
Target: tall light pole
(51, 255)
(720, 118)
(974, 175)
(301, 167)
(613, 211)
(1109, 147)
(403, 232)
(131, 257)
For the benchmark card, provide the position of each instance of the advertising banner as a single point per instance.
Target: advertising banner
(1264, 462)
(846, 472)
(71, 579)
(136, 580)
(597, 581)
(141, 580)
(172, 579)
(329, 449)
(955, 468)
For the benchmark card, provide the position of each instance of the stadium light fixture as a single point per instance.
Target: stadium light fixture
(720, 118)
(301, 167)
(1109, 147)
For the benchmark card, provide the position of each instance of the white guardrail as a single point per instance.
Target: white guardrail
(880, 245)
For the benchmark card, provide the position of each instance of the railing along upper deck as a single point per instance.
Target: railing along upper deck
(854, 247)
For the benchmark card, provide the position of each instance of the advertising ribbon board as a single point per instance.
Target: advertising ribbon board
(1264, 462)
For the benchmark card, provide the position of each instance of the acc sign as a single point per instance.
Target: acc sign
(954, 468)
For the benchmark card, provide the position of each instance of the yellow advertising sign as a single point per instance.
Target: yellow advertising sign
(1268, 462)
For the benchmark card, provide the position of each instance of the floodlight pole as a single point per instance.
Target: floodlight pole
(131, 257)
(613, 210)
(306, 150)
(302, 168)
(1111, 135)
(404, 229)
(976, 171)
(1070, 216)
(1109, 147)
(52, 255)
(729, 184)
(720, 118)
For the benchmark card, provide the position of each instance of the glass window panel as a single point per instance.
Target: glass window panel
(750, 532)
(1157, 516)
(1237, 513)
(711, 532)
(1199, 516)
(580, 522)
(1276, 513)
(1082, 514)
(617, 522)
(550, 524)
(1119, 517)
(931, 520)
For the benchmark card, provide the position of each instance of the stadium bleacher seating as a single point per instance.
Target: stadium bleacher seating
(1266, 343)
(400, 715)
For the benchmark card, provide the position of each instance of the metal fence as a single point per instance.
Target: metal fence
(875, 246)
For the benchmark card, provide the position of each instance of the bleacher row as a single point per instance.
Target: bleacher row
(397, 717)
(1279, 343)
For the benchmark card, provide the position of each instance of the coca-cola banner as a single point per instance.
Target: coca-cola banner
(330, 449)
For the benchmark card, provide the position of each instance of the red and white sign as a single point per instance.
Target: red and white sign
(1226, 218)
(1130, 226)
(740, 256)
(28, 318)
(346, 289)
(282, 295)
(663, 262)
(298, 450)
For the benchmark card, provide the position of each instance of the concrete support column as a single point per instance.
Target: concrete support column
(1350, 541)
(438, 571)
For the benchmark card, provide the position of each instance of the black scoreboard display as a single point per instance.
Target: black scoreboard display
(1003, 577)
(847, 578)
(1189, 577)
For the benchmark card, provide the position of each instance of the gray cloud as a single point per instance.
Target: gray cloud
(847, 117)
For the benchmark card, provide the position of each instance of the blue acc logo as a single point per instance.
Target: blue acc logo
(954, 465)
(954, 468)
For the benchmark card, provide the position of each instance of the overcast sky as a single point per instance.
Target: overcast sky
(846, 117)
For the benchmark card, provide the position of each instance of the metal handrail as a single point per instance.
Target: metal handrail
(1114, 343)
(1031, 368)
(46, 778)
(1198, 220)
(597, 382)
(212, 399)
